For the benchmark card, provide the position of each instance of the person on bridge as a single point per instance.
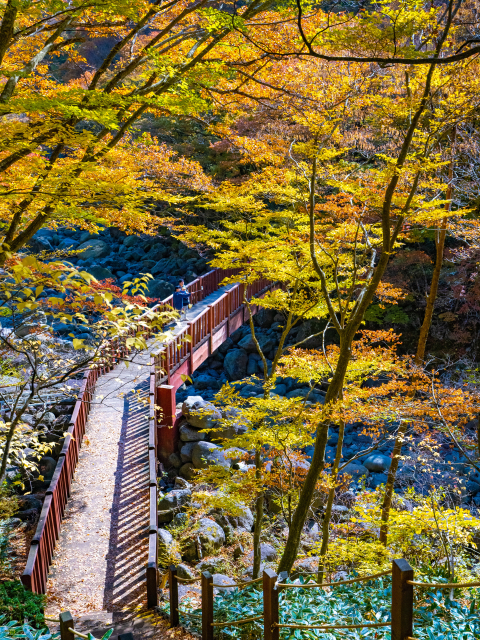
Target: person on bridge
(181, 300)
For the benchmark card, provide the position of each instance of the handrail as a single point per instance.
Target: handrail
(234, 623)
(445, 585)
(314, 585)
(332, 626)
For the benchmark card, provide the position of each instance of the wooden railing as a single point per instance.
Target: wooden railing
(182, 355)
(48, 528)
(46, 535)
(175, 353)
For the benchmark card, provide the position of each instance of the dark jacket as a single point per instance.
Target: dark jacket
(180, 299)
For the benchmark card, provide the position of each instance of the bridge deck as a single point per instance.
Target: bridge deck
(100, 558)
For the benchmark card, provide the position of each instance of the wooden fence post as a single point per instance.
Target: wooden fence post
(173, 585)
(402, 600)
(270, 605)
(66, 622)
(207, 606)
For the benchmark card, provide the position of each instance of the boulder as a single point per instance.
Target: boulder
(473, 487)
(211, 565)
(159, 289)
(190, 434)
(175, 460)
(184, 571)
(265, 317)
(130, 241)
(377, 462)
(46, 468)
(165, 541)
(200, 413)
(186, 451)
(206, 381)
(180, 483)
(211, 536)
(235, 364)
(205, 541)
(229, 428)
(376, 479)
(207, 453)
(223, 580)
(100, 273)
(266, 343)
(243, 521)
(93, 249)
(187, 471)
(267, 553)
(355, 470)
(174, 499)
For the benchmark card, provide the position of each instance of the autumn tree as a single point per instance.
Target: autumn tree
(67, 151)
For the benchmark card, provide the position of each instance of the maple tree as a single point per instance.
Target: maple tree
(341, 216)
(68, 153)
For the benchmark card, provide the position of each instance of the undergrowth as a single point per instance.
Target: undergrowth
(436, 616)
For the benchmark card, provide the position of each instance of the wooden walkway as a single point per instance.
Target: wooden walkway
(101, 555)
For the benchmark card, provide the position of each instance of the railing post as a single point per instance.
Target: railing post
(402, 600)
(66, 623)
(207, 606)
(191, 328)
(270, 606)
(173, 586)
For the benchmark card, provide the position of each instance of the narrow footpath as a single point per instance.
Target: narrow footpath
(98, 570)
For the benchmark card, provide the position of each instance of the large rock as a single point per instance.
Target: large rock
(267, 553)
(230, 427)
(377, 462)
(244, 521)
(207, 453)
(159, 289)
(265, 317)
(200, 413)
(174, 499)
(266, 343)
(355, 470)
(190, 434)
(186, 451)
(187, 471)
(175, 460)
(100, 273)
(211, 565)
(205, 381)
(94, 249)
(211, 536)
(235, 364)
(165, 541)
(224, 581)
(377, 479)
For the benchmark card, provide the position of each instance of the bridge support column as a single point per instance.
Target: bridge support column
(167, 434)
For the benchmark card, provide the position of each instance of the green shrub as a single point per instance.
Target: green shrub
(14, 630)
(16, 603)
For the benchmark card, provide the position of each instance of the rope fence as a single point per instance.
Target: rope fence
(400, 624)
(328, 627)
(316, 585)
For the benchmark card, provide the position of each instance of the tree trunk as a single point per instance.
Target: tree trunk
(318, 459)
(258, 520)
(328, 508)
